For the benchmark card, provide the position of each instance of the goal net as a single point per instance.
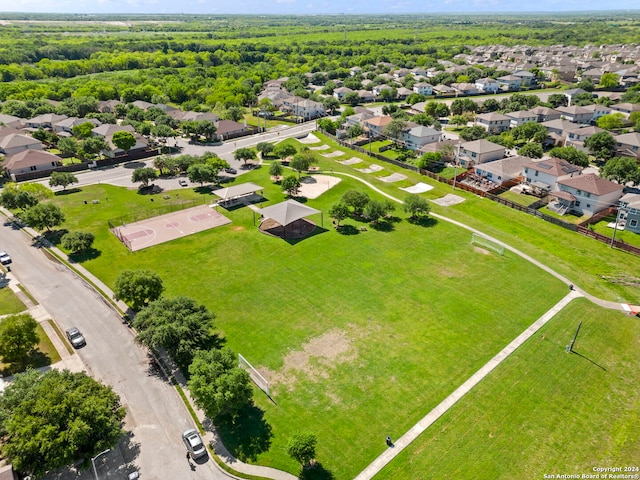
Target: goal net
(259, 380)
(484, 242)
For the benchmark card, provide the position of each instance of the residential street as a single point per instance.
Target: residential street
(156, 416)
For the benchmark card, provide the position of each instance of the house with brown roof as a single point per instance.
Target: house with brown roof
(576, 114)
(108, 106)
(626, 108)
(376, 125)
(30, 161)
(113, 150)
(187, 116)
(11, 121)
(479, 151)
(576, 138)
(546, 173)
(17, 142)
(521, 117)
(494, 122)
(46, 120)
(587, 194)
(228, 128)
(546, 114)
(628, 144)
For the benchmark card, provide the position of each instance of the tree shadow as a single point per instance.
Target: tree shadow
(248, 436)
(133, 165)
(55, 236)
(80, 257)
(150, 189)
(315, 472)
(382, 226)
(423, 221)
(347, 230)
(68, 191)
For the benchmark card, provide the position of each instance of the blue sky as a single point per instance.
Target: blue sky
(304, 7)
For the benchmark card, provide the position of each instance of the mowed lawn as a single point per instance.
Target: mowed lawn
(361, 335)
(542, 411)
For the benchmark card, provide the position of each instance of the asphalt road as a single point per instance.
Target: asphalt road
(156, 416)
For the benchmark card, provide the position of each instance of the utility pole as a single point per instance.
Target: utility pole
(455, 165)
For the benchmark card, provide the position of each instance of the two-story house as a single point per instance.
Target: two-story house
(417, 136)
(340, 92)
(630, 211)
(494, 122)
(17, 142)
(487, 85)
(423, 88)
(527, 78)
(628, 144)
(503, 170)
(587, 194)
(576, 114)
(546, 173)
(479, 151)
(597, 111)
(510, 82)
(576, 138)
(546, 114)
(521, 117)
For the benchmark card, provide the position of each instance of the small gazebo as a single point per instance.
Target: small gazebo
(287, 219)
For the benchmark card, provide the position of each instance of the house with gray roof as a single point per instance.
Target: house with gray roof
(630, 211)
(628, 144)
(521, 117)
(17, 142)
(28, 161)
(46, 120)
(576, 114)
(493, 122)
(503, 170)
(545, 174)
(479, 151)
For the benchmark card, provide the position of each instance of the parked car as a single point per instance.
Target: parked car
(194, 444)
(230, 170)
(5, 259)
(75, 337)
(183, 182)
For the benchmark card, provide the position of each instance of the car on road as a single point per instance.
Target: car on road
(183, 182)
(230, 170)
(5, 259)
(194, 444)
(75, 337)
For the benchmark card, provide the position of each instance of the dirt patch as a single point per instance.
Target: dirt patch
(316, 359)
(481, 250)
(237, 228)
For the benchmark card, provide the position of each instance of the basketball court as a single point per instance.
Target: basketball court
(164, 228)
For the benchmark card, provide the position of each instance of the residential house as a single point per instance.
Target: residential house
(417, 136)
(630, 211)
(114, 151)
(359, 118)
(17, 142)
(28, 161)
(108, 106)
(546, 173)
(303, 108)
(228, 128)
(341, 92)
(46, 120)
(419, 72)
(576, 114)
(546, 114)
(366, 96)
(494, 122)
(376, 125)
(510, 82)
(572, 93)
(403, 92)
(487, 85)
(597, 111)
(187, 116)
(11, 121)
(66, 125)
(503, 170)
(108, 129)
(401, 73)
(353, 71)
(479, 151)
(576, 138)
(521, 117)
(443, 90)
(527, 78)
(558, 130)
(626, 108)
(587, 194)
(378, 89)
(464, 89)
(423, 88)
(628, 144)
(4, 131)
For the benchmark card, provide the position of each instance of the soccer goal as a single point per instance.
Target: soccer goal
(484, 242)
(259, 380)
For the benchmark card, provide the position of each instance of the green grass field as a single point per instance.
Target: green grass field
(360, 334)
(524, 200)
(542, 411)
(9, 302)
(627, 236)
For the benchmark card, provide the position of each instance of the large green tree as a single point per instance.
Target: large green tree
(571, 155)
(201, 173)
(531, 150)
(622, 170)
(302, 447)
(54, 419)
(77, 242)
(62, 179)
(124, 140)
(218, 385)
(291, 185)
(301, 162)
(179, 325)
(601, 145)
(355, 200)
(18, 337)
(416, 206)
(144, 174)
(138, 287)
(43, 216)
(244, 154)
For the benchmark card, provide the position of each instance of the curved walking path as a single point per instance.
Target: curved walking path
(400, 444)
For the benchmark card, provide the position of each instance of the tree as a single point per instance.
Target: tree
(284, 150)
(328, 125)
(339, 212)
(601, 145)
(558, 100)
(531, 150)
(302, 447)
(458, 120)
(218, 385)
(428, 159)
(138, 287)
(144, 174)
(462, 105)
(83, 130)
(43, 215)
(395, 129)
(291, 185)
(57, 418)
(331, 104)
(351, 98)
(611, 121)
(374, 210)
(201, 173)
(355, 200)
(622, 170)
(123, 140)
(179, 325)
(609, 80)
(14, 197)
(92, 146)
(529, 131)
(571, 155)
(77, 242)
(265, 148)
(275, 170)
(244, 154)
(62, 179)
(18, 337)
(301, 162)
(416, 206)
(68, 146)
(473, 133)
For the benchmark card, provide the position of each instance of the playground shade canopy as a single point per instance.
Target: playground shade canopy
(287, 212)
(237, 191)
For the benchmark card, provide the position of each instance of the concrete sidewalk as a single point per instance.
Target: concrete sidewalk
(390, 453)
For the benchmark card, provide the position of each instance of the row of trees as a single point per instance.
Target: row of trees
(358, 205)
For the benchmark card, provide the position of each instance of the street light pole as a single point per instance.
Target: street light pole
(93, 462)
(615, 227)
